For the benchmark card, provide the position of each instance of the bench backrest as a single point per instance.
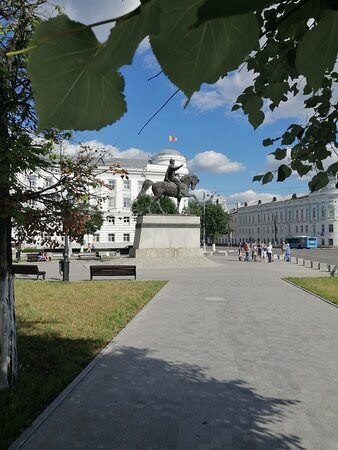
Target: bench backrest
(109, 270)
(25, 269)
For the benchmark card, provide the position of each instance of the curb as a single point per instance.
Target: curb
(309, 292)
(26, 435)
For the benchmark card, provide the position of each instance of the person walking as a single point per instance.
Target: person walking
(283, 249)
(264, 252)
(247, 251)
(287, 253)
(269, 252)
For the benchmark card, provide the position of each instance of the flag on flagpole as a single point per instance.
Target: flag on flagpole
(172, 138)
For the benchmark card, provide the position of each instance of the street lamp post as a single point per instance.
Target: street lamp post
(65, 273)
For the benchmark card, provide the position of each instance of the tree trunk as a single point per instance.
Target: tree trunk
(8, 351)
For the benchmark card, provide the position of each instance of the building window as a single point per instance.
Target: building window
(258, 230)
(111, 183)
(111, 202)
(330, 227)
(323, 228)
(140, 184)
(126, 219)
(111, 219)
(314, 229)
(126, 202)
(296, 214)
(111, 237)
(306, 228)
(301, 229)
(301, 214)
(314, 213)
(126, 185)
(290, 216)
(323, 241)
(330, 241)
(323, 212)
(96, 238)
(296, 228)
(126, 237)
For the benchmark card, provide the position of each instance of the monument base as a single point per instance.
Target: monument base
(167, 236)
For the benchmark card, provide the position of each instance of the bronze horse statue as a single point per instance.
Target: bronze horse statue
(169, 189)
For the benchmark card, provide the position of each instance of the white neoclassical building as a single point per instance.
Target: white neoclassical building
(314, 215)
(119, 224)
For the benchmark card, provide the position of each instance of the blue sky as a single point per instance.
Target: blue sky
(222, 148)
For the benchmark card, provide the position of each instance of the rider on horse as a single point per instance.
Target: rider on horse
(170, 175)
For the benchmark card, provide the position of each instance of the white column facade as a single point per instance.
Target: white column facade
(118, 229)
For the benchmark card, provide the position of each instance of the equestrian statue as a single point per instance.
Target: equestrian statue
(171, 186)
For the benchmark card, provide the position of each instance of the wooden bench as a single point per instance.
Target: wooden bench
(28, 269)
(112, 271)
(89, 256)
(32, 257)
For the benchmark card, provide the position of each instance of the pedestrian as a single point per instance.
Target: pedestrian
(259, 250)
(240, 253)
(287, 253)
(255, 252)
(247, 251)
(269, 252)
(89, 247)
(264, 252)
(283, 249)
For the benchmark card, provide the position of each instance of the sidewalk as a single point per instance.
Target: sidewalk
(224, 357)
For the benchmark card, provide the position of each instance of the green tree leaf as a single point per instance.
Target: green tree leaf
(267, 178)
(276, 91)
(283, 172)
(125, 37)
(317, 51)
(267, 142)
(213, 9)
(318, 181)
(256, 118)
(192, 56)
(71, 89)
(280, 153)
(332, 169)
(257, 177)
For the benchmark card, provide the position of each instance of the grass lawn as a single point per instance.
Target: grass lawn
(326, 287)
(61, 327)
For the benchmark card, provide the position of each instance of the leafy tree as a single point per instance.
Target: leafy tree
(216, 220)
(142, 203)
(277, 40)
(37, 211)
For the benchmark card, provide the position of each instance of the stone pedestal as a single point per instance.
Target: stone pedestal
(167, 236)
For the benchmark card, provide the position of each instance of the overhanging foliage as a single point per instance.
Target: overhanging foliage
(196, 42)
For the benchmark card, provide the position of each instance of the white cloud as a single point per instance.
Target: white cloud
(88, 11)
(108, 150)
(251, 197)
(222, 94)
(214, 162)
(225, 92)
(199, 193)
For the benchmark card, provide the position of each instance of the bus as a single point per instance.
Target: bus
(302, 242)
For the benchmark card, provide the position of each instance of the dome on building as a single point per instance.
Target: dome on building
(164, 156)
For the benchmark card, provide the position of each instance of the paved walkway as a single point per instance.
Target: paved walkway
(224, 357)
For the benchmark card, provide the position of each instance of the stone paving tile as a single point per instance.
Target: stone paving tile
(224, 357)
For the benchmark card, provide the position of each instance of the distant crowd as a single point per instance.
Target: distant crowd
(261, 252)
